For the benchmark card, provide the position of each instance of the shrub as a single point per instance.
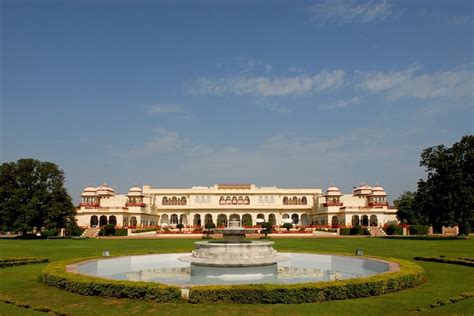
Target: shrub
(267, 228)
(356, 230)
(108, 230)
(180, 226)
(418, 229)
(287, 226)
(345, 231)
(49, 232)
(10, 262)
(461, 262)
(208, 228)
(393, 229)
(410, 275)
(121, 232)
(55, 275)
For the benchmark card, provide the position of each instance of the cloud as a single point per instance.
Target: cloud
(339, 104)
(267, 86)
(409, 83)
(165, 141)
(165, 108)
(350, 11)
(462, 20)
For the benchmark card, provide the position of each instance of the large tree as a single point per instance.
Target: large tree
(406, 212)
(446, 197)
(32, 194)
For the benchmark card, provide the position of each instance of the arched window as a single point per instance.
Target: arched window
(234, 200)
(133, 221)
(241, 200)
(285, 200)
(94, 221)
(183, 201)
(103, 220)
(174, 201)
(355, 220)
(294, 201)
(112, 220)
(303, 200)
(295, 219)
(246, 200)
(174, 219)
(164, 201)
(222, 200)
(373, 220)
(228, 200)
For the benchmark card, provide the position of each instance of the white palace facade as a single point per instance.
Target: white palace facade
(193, 207)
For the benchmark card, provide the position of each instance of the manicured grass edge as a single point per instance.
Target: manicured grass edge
(451, 300)
(54, 274)
(11, 262)
(462, 262)
(410, 275)
(44, 309)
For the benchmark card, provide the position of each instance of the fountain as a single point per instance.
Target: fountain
(234, 258)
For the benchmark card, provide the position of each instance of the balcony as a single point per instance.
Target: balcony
(135, 204)
(378, 204)
(89, 205)
(332, 204)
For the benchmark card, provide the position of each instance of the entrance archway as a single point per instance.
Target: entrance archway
(373, 221)
(113, 220)
(197, 220)
(355, 220)
(335, 221)
(103, 220)
(94, 220)
(272, 219)
(222, 220)
(208, 218)
(247, 220)
(133, 221)
(365, 220)
(165, 220)
(295, 218)
(304, 219)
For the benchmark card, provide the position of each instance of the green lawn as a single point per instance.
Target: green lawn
(22, 283)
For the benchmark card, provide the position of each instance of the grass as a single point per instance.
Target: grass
(22, 283)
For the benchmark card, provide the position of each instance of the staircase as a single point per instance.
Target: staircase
(90, 232)
(376, 232)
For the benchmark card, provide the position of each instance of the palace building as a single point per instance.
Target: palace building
(193, 207)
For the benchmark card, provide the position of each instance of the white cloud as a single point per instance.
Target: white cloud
(350, 11)
(342, 103)
(409, 83)
(165, 141)
(462, 20)
(269, 86)
(165, 108)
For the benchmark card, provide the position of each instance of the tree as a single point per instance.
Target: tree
(267, 228)
(287, 226)
(209, 227)
(32, 194)
(446, 197)
(406, 212)
(180, 226)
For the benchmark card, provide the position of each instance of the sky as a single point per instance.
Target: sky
(174, 94)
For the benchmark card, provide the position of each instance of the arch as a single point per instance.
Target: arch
(183, 219)
(94, 220)
(247, 220)
(272, 219)
(294, 200)
(197, 220)
(174, 201)
(260, 215)
(208, 218)
(234, 200)
(285, 200)
(355, 220)
(133, 221)
(174, 219)
(246, 200)
(113, 220)
(295, 218)
(285, 216)
(234, 217)
(164, 201)
(304, 201)
(240, 201)
(228, 200)
(183, 201)
(373, 221)
(165, 219)
(222, 220)
(103, 220)
(304, 219)
(222, 200)
(365, 220)
(125, 221)
(335, 221)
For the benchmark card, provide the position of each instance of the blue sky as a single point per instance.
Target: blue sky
(286, 93)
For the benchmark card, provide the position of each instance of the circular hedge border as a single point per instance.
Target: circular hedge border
(409, 275)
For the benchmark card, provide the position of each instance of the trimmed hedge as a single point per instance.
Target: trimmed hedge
(428, 237)
(461, 262)
(55, 275)
(44, 309)
(418, 229)
(11, 262)
(410, 275)
(121, 232)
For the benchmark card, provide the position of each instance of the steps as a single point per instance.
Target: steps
(91, 232)
(377, 232)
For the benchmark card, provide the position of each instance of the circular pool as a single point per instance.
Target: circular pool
(167, 269)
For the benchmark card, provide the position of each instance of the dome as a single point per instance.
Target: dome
(103, 189)
(334, 191)
(378, 190)
(363, 189)
(135, 191)
(89, 191)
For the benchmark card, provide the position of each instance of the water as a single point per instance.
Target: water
(167, 269)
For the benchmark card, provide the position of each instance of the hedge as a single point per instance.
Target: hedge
(11, 262)
(55, 275)
(461, 261)
(410, 275)
(418, 229)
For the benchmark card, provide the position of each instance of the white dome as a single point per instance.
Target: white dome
(378, 190)
(363, 189)
(332, 190)
(105, 190)
(135, 191)
(89, 191)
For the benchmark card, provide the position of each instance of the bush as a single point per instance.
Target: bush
(287, 226)
(410, 275)
(11, 262)
(108, 230)
(345, 231)
(461, 262)
(180, 226)
(55, 275)
(393, 229)
(267, 228)
(121, 232)
(356, 230)
(49, 232)
(418, 229)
